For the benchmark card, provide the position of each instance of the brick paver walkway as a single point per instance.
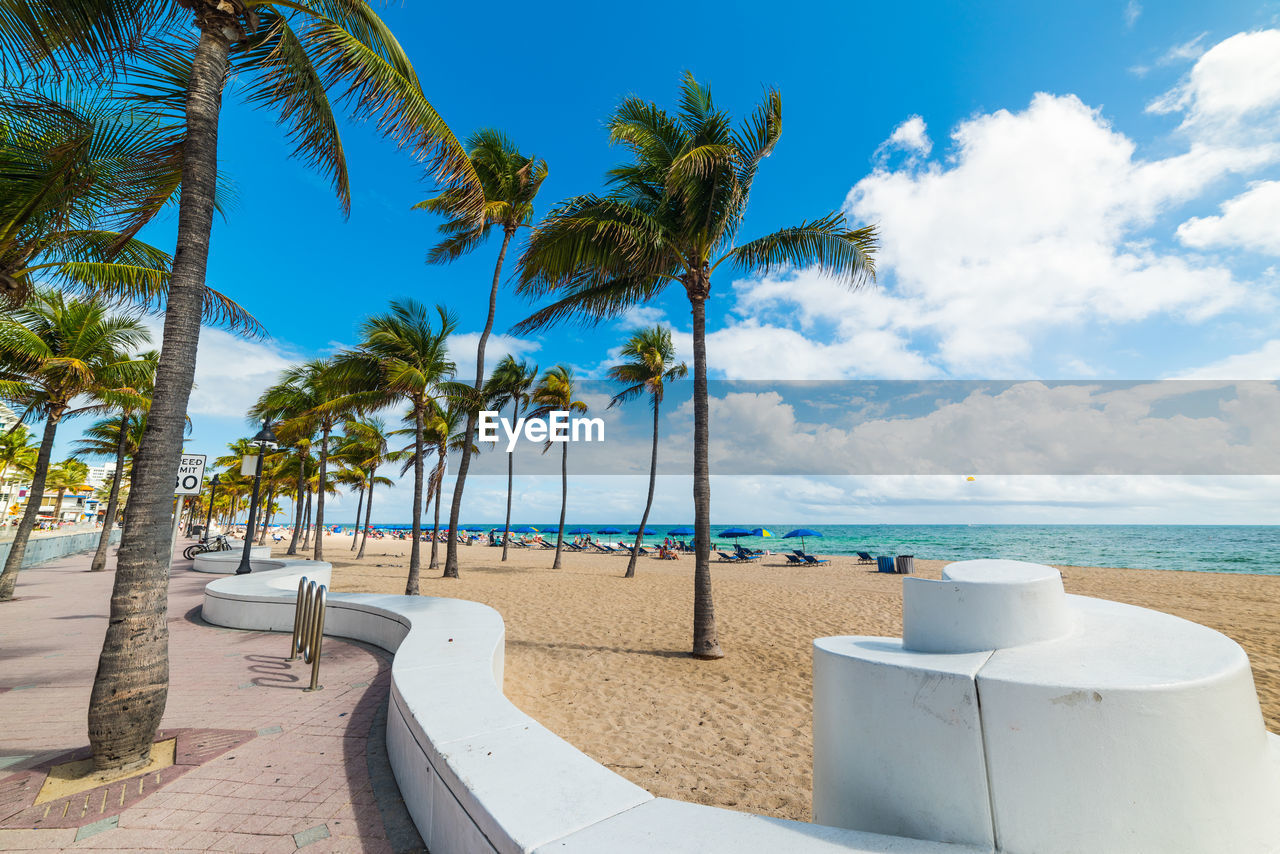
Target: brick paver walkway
(304, 770)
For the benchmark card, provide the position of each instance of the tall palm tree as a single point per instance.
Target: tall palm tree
(307, 400)
(444, 432)
(66, 476)
(289, 54)
(649, 355)
(511, 382)
(555, 394)
(672, 215)
(84, 171)
(126, 428)
(53, 351)
(18, 453)
(510, 182)
(368, 449)
(401, 358)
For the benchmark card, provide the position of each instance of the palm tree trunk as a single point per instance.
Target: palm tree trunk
(267, 515)
(324, 468)
(297, 507)
(511, 466)
(355, 534)
(706, 643)
(653, 477)
(415, 550)
(368, 512)
(455, 509)
(57, 505)
(131, 686)
(564, 501)
(9, 577)
(113, 499)
(438, 480)
(306, 522)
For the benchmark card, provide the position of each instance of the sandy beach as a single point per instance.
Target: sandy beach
(602, 661)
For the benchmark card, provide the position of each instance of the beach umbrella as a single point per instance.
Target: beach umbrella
(761, 532)
(681, 532)
(524, 529)
(608, 530)
(579, 531)
(647, 532)
(801, 533)
(734, 533)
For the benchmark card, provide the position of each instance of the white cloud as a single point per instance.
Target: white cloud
(1233, 88)
(911, 136)
(1030, 225)
(1250, 221)
(231, 372)
(1260, 364)
(462, 349)
(1132, 11)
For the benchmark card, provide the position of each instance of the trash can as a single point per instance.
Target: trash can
(906, 564)
(884, 563)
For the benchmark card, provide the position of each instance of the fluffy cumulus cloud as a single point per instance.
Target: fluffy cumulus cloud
(231, 372)
(1233, 90)
(1035, 221)
(1260, 364)
(462, 349)
(1251, 220)
(911, 136)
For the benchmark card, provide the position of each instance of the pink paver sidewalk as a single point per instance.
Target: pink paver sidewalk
(302, 771)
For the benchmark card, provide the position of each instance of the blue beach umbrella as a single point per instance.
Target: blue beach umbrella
(801, 533)
(647, 532)
(608, 530)
(524, 529)
(761, 532)
(734, 533)
(578, 531)
(681, 532)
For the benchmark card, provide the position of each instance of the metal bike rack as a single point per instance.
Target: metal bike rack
(308, 627)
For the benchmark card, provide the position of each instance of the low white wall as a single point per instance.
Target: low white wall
(225, 563)
(479, 775)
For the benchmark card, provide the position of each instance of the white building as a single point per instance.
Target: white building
(101, 474)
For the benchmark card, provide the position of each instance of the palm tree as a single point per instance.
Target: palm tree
(17, 454)
(401, 358)
(84, 171)
(512, 382)
(66, 476)
(124, 432)
(288, 54)
(672, 215)
(444, 432)
(510, 182)
(307, 400)
(555, 394)
(54, 350)
(649, 354)
(367, 449)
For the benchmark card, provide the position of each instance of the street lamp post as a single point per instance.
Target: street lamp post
(265, 439)
(208, 517)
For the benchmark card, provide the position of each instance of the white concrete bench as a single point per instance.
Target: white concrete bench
(479, 775)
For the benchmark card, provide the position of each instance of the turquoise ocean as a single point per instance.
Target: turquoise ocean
(1205, 548)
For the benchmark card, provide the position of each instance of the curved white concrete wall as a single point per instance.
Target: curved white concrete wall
(225, 563)
(1135, 732)
(479, 775)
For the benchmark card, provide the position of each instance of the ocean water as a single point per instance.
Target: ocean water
(1205, 548)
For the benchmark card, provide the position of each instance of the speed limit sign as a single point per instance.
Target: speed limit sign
(190, 475)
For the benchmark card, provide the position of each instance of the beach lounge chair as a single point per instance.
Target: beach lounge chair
(865, 557)
(792, 559)
(729, 558)
(815, 561)
(798, 553)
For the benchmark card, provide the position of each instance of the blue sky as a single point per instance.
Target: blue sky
(1065, 191)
